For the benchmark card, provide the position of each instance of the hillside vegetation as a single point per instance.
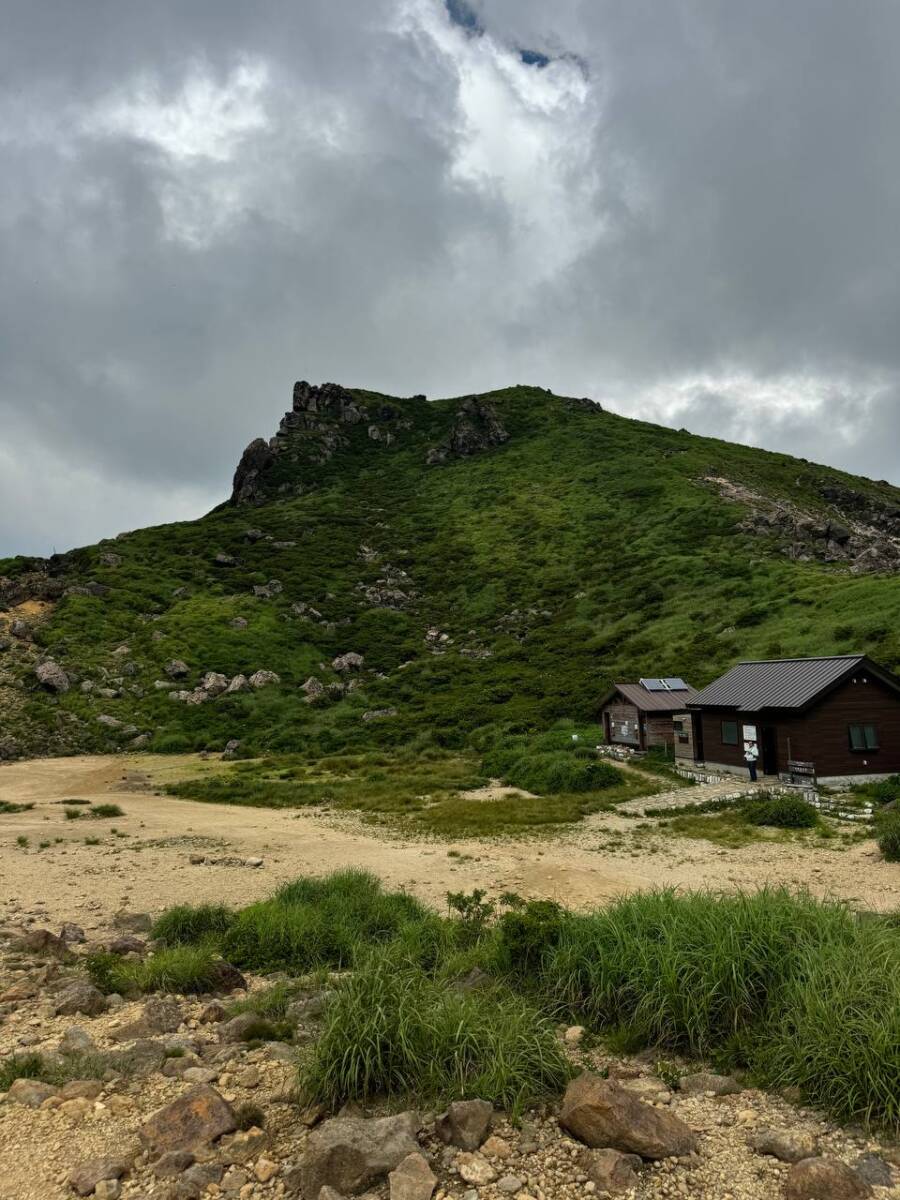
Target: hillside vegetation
(495, 561)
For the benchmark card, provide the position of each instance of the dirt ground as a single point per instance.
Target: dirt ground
(146, 865)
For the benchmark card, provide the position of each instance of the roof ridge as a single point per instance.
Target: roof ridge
(804, 658)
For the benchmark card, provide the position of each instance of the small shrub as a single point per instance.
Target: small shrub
(92, 841)
(888, 829)
(104, 811)
(20, 1066)
(784, 812)
(22, 840)
(7, 808)
(187, 924)
(72, 814)
(526, 935)
(248, 1115)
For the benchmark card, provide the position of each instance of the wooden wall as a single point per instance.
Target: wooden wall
(820, 735)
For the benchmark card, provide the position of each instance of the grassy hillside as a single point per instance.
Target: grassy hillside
(505, 585)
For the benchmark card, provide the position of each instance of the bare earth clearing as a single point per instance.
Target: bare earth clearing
(150, 868)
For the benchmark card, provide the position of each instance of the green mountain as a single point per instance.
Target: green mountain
(493, 560)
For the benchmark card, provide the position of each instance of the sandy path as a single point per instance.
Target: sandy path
(150, 868)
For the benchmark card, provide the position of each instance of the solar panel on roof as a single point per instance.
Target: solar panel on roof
(654, 685)
(675, 683)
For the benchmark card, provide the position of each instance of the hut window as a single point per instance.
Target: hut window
(729, 733)
(678, 726)
(863, 737)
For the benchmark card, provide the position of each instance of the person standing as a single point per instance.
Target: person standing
(751, 755)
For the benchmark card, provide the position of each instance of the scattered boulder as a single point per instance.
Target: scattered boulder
(194, 1119)
(76, 1041)
(350, 1153)
(84, 1179)
(160, 1015)
(313, 688)
(236, 1029)
(787, 1145)
(42, 941)
(348, 662)
(413, 1179)
(30, 1092)
(706, 1083)
(465, 1124)
(80, 997)
(240, 683)
(261, 679)
(51, 676)
(231, 748)
(379, 714)
(873, 1169)
(126, 944)
(824, 1179)
(172, 1163)
(176, 668)
(475, 1169)
(610, 1170)
(132, 922)
(224, 560)
(72, 933)
(213, 1014)
(603, 1114)
(214, 683)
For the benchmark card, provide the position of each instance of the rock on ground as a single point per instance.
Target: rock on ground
(824, 1179)
(195, 1119)
(603, 1114)
(413, 1179)
(466, 1123)
(349, 1153)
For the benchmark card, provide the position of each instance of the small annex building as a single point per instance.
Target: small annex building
(641, 715)
(834, 719)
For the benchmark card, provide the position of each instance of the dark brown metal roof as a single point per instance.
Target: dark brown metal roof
(792, 683)
(647, 701)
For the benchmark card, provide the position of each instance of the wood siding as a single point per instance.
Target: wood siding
(821, 734)
(622, 715)
(658, 730)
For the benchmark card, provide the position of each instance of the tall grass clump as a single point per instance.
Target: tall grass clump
(319, 922)
(179, 970)
(187, 924)
(393, 1030)
(691, 972)
(888, 831)
(836, 1033)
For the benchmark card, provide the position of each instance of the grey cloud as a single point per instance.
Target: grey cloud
(686, 192)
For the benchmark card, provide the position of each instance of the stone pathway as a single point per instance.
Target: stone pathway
(730, 789)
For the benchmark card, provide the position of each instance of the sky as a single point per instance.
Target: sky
(688, 211)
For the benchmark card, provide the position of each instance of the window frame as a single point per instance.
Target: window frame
(729, 741)
(867, 732)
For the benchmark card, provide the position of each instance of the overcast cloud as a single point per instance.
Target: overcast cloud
(687, 210)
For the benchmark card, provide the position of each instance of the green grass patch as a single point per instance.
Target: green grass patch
(179, 970)
(7, 808)
(318, 922)
(392, 1030)
(106, 811)
(187, 924)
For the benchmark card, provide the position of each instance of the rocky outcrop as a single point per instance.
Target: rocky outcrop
(854, 529)
(316, 427)
(256, 459)
(476, 427)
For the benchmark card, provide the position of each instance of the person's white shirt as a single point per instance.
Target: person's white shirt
(751, 754)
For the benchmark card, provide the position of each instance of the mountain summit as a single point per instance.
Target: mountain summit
(389, 568)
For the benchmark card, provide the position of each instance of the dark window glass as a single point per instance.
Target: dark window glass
(729, 733)
(863, 737)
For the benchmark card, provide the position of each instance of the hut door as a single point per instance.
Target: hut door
(769, 751)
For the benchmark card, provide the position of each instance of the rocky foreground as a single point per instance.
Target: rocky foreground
(180, 1098)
